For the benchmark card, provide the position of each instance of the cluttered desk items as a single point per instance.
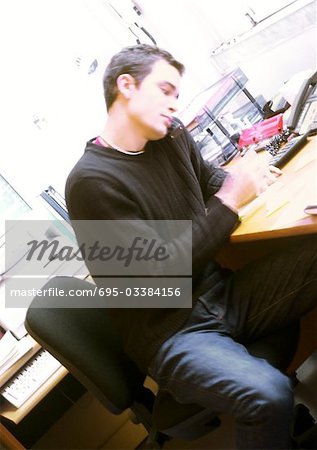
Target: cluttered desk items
(283, 135)
(292, 201)
(288, 206)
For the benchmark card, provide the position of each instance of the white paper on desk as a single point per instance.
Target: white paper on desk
(12, 350)
(303, 161)
(278, 197)
(12, 318)
(271, 198)
(249, 209)
(7, 346)
(289, 216)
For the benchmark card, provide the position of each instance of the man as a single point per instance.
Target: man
(142, 167)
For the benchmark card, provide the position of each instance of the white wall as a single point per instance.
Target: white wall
(276, 49)
(192, 29)
(268, 71)
(41, 40)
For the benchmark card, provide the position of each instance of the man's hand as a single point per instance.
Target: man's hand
(246, 179)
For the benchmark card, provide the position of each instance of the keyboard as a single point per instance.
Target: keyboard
(288, 150)
(30, 378)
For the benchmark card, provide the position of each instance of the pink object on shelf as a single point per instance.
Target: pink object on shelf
(261, 130)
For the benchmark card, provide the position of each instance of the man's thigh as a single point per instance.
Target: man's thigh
(274, 291)
(211, 369)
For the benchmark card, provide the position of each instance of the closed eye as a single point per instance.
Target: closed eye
(168, 89)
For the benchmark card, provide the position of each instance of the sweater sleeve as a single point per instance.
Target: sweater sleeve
(212, 231)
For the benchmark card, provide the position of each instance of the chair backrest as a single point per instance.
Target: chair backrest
(85, 342)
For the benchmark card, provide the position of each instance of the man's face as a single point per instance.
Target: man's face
(153, 101)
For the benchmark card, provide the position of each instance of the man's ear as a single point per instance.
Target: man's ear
(126, 85)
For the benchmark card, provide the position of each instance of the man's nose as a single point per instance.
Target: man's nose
(173, 104)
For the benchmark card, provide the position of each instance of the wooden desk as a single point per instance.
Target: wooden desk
(16, 415)
(279, 212)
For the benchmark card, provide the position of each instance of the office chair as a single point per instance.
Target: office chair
(85, 342)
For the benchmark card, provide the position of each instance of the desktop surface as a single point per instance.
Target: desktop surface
(280, 211)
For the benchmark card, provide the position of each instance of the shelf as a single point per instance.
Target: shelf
(215, 116)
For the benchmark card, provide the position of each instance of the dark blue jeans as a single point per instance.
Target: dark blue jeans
(205, 362)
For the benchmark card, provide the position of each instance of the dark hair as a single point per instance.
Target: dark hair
(136, 60)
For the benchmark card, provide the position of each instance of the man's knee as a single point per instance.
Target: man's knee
(264, 396)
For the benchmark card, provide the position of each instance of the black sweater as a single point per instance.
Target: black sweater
(169, 181)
